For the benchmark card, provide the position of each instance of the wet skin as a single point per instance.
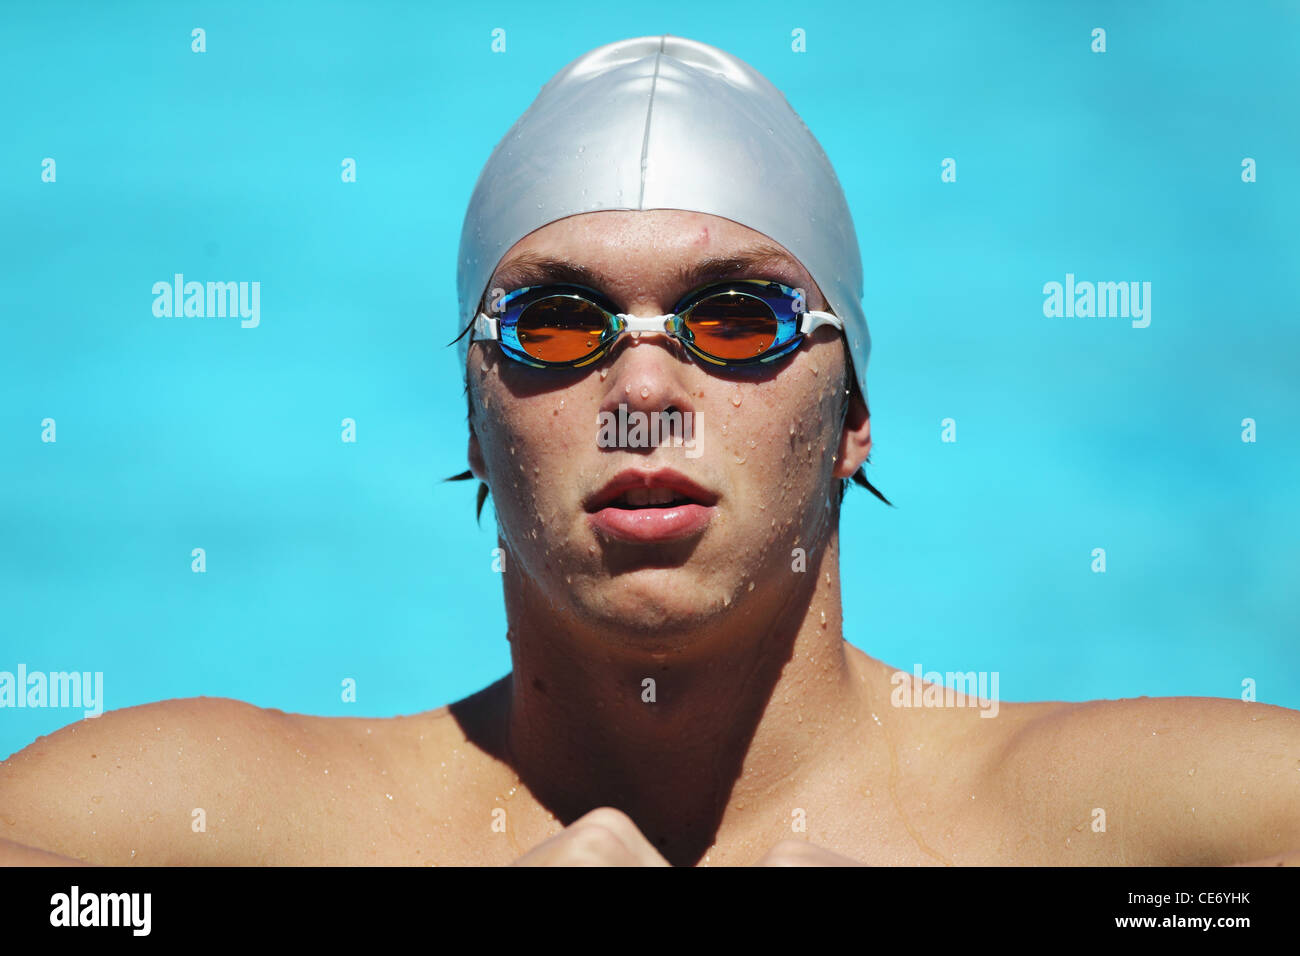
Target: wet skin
(764, 718)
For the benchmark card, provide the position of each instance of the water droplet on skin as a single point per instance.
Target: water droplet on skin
(741, 461)
(482, 367)
(645, 391)
(1192, 772)
(627, 389)
(752, 443)
(724, 428)
(814, 368)
(735, 398)
(604, 374)
(751, 585)
(591, 548)
(823, 618)
(792, 428)
(636, 335)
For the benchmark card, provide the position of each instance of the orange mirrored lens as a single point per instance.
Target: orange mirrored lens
(732, 326)
(560, 329)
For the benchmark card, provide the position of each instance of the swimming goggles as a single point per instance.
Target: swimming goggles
(735, 323)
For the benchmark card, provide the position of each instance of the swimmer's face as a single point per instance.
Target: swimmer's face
(770, 442)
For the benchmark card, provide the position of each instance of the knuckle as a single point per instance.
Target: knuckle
(595, 841)
(608, 817)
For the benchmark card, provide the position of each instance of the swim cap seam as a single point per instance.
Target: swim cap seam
(649, 111)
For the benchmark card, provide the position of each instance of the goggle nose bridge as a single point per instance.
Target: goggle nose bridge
(646, 323)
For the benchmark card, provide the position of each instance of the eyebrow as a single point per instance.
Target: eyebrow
(530, 268)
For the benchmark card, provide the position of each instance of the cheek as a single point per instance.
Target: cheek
(779, 448)
(534, 452)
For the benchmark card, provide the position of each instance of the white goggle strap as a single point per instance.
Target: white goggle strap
(645, 323)
(485, 327)
(815, 320)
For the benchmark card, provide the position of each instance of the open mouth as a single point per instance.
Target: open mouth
(632, 490)
(645, 507)
(650, 498)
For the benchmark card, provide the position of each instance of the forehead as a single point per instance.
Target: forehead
(663, 252)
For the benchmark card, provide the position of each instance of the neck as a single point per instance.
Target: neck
(740, 715)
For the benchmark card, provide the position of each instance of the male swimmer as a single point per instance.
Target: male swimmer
(660, 234)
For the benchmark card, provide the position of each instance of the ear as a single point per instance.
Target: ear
(855, 438)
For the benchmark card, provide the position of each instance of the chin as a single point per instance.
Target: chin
(646, 618)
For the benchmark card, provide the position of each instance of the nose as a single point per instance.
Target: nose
(649, 369)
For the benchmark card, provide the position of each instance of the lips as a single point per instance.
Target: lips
(651, 506)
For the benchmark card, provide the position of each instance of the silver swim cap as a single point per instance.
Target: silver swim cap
(662, 122)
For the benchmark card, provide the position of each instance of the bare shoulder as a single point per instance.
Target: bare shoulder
(210, 780)
(188, 780)
(1163, 780)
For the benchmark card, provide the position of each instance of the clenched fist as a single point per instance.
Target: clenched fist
(604, 837)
